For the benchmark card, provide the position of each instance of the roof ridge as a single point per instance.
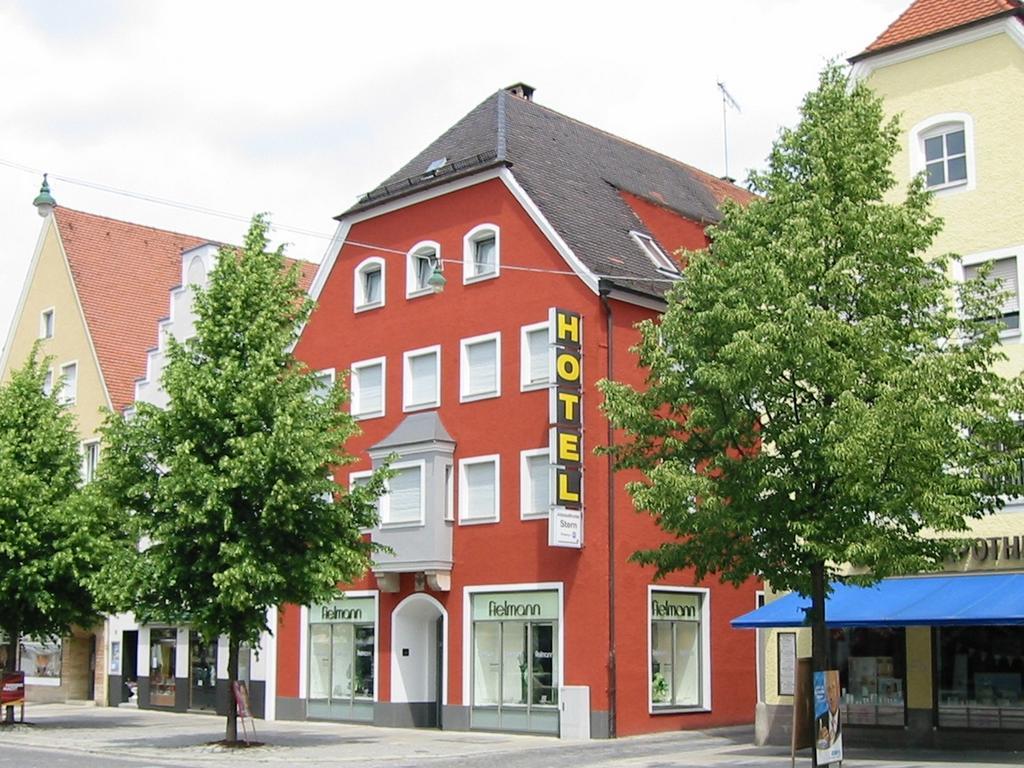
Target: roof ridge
(641, 147)
(924, 19)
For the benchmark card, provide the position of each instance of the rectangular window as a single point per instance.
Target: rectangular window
(341, 659)
(945, 158)
(422, 379)
(90, 460)
(1003, 275)
(372, 283)
(403, 503)
(69, 383)
(48, 383)
(162, 685)
(357, 479)
(653, 251)
(480, 370)
(484, 251)
(46, 324)
(40, 658)
(872, 671)
(979, 677)
(534, 357)
(368, 388)
(678, 651)
(449, 492)
(535, 483)
(322, 383)
(478, 489)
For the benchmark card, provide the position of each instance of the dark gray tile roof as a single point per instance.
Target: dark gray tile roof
(573, 172)
(414, 429)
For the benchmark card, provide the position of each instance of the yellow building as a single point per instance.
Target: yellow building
(945, 676)
(94, 293)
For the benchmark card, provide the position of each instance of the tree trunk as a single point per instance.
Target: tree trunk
(231, 733)
(11, 664)
(819, 632)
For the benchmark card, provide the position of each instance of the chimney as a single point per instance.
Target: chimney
(522, 90)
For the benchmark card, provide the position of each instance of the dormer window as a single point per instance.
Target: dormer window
(369, 284)
(657, 256)
(480, 259)
(420, 265)
(941, 147)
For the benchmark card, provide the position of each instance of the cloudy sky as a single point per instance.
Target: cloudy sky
(226, 108)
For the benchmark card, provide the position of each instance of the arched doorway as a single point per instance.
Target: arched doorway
(419, 664)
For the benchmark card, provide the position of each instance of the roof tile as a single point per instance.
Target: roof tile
(929, 17)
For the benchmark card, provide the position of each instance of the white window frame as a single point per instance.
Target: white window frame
(85, 446)
(449, 492)
(359, 302)
(653, 251)
(525, 385)
(464, 519)
(705, 649)
(411, 291)
(67, 396)
(48, 383)
(47, 323)
(1007, 335)
(476, 234)
(385, 500)
(526, 485)
(465, 396)
(932, 126)
(360, 475)
(407, 407)
(326, 373)
(354, 387)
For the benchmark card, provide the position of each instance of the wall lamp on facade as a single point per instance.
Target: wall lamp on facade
(437, 280)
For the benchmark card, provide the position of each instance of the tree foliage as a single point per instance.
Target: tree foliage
(52, 537)
(819, 394)
(230, 487)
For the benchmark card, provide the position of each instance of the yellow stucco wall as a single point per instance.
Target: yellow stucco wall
(50, 285)
(983, 79)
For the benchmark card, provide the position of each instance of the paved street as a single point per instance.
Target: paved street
(62, 736)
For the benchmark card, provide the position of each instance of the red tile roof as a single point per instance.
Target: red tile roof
(929, 17)
(123, 275)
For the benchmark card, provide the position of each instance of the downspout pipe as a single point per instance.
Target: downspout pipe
(604, 289)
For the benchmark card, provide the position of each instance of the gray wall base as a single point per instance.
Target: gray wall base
(455, 718)
(405, 714)
(599, 725)
(290, 709)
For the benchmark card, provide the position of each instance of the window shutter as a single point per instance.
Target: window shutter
(482, 360)
(370, 386)
(423, 373)
(539, 352)
(540, 492)
(1004, 274)
(404, 496)
(480, 490)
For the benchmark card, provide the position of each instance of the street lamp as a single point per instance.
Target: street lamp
(44, 201)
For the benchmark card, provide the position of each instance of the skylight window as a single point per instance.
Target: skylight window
(659, 258)
(435, 165)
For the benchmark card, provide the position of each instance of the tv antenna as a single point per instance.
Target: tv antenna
(727, 101)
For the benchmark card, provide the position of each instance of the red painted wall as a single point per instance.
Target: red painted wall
(513, 550)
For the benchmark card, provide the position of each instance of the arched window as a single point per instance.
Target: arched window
(420, 264)
(481, 253)
(942, 147)
(369, 284)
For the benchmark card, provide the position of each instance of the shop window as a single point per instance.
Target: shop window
(1003, 275)
(980, 674)
(162, 686)
(367, 386)
(872, 674)
(515, 661)
(369, 284)
(421, 262)
(480, 369)
(678, 650)
(202, 672)
(341, 659)
(480, 254)
(534, 357)
(478, 489)
(535, 483)
(46, 324)
(40, 659)
(421, 379)
(403, 502)
(69, 384)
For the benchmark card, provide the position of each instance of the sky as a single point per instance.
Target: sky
(231, 107)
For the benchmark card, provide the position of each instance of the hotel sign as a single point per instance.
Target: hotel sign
(565, 334)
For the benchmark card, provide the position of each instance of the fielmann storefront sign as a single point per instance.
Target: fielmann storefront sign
(565, 521)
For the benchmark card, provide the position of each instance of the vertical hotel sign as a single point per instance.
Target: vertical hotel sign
(565, 522)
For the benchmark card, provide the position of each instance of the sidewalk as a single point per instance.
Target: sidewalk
(83, 736)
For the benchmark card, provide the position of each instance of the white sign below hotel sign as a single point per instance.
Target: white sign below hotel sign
(565, 520)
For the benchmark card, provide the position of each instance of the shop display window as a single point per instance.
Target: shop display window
(676, 653)
(162, 685)
(980, 677)
(872, 674)
(340, 662)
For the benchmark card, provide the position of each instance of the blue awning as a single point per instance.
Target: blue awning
(965, 599)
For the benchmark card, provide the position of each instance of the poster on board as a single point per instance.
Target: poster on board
(828, 729)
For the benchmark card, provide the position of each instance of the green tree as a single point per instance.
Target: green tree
(51, 539)
(820, 397)
(229, 489)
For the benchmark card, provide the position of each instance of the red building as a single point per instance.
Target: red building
(508, 601)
